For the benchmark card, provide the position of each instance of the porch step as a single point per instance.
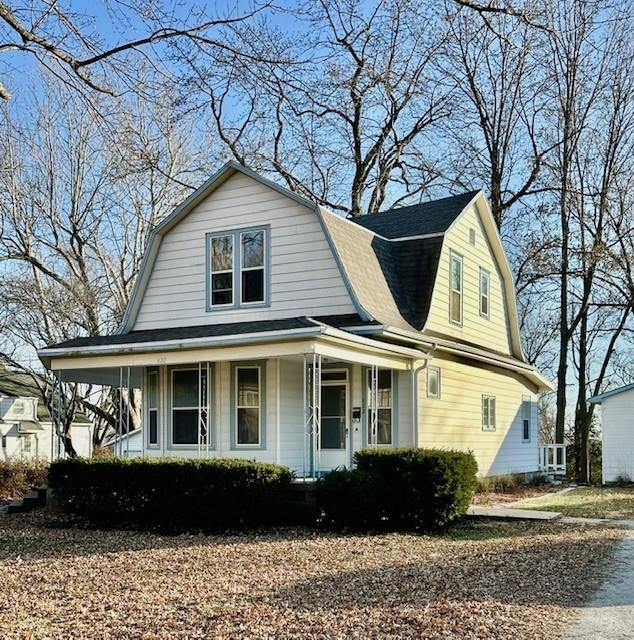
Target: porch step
(505, 513)
(32, 500)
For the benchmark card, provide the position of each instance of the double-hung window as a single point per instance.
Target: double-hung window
(488, 413)
(185, 407)
(455, 289)
(527, 408)
(152, 411)
(237, 265)
(248, 416)
(384, 407)
(485, 282)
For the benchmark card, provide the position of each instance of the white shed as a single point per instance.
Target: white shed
(617, 424)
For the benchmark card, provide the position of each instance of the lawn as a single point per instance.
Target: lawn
(588, 502)
(487, 580)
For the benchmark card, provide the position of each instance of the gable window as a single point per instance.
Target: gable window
(237, 263)
(455, 286)
(185, 406)
(527, 408)
(488, 413)
(221, 270)
(152, 412)
(384, 408)
(252, 266)
(433, 382)
(485, 281)
(248, 406)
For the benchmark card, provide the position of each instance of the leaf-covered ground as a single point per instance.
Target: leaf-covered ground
(478, 581)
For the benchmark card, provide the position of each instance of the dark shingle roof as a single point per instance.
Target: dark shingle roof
(209, 331)
(418, 219)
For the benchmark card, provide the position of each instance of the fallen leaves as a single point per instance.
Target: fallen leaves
(479, 581)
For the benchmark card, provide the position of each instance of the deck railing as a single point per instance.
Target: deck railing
(552, 458)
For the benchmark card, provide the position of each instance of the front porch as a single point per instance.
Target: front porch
(307, 404)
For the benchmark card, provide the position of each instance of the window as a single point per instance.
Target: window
(488, 413)
(472, 237)
(26, 442)
(238, 268)
(185, 406)
(485, 280)
(527, 407)
(4, 440)
(383, 408)
(152, 403)
(248, 414)
(252, 266)
(455, 301)
(433, 382)
(222, 271)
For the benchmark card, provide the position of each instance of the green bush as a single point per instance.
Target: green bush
(175, 494)
(18, 477)
(414, 489)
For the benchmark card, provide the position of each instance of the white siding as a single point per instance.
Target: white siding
(617, 423)
(455, 420)
(41, 441)
(305, 279)
(492, 332)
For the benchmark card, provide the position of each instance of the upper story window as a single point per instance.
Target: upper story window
(455, 289)
(238, 268)
(485, 282)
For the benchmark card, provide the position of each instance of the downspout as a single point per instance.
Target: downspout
(415, 403)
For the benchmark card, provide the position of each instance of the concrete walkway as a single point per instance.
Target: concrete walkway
(503, 512)
(610, 613)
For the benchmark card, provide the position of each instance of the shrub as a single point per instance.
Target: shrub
(20, 476)
(415, 489)
(175, 494)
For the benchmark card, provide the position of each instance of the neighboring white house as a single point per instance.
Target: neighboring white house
(617, 432)
(129, 445)
(26, 429)
(264, 326)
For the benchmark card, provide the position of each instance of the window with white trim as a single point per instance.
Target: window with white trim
(433, 382)
(488, 413)
(252, 267)
(384, 408)
(527, 410)
(455, 289)
(248, 407)
(26, 441)
(485, 288)
(185, 399)
(222, 260)
(152, 404)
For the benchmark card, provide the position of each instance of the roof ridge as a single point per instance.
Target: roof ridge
(433, 201)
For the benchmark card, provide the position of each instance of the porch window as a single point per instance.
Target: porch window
(485, 281)
(221, 270)
(455, 289)
(252, 266)
(433, 382)
(185, 406)
(527, 407)
(248, 406)
(488, 413)
(152, 402)
(384, 407)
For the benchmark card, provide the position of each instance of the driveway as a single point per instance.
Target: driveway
(610, 613)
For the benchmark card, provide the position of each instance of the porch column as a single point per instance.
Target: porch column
(203, 409)
(374, 406)
(312, 413)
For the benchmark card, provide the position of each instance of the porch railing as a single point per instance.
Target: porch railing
(552, 458)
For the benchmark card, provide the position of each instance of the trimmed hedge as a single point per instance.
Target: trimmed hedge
(413, 489)
(175, 494)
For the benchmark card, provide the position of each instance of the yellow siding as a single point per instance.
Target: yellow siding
(492, 332)
(455, 420)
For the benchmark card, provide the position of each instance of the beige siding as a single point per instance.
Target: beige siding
(617, 423)
(455, 420)
(492, 332)
(305, 279)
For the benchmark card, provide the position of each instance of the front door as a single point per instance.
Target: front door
(334, 423)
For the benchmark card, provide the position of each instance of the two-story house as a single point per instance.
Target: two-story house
(263, 326)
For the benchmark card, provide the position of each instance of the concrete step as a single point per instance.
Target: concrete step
(505, 513)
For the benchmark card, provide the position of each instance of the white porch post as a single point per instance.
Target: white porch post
(312, 413)
(119, 443)
(127, 415)
(374, 401)
(203, 409)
